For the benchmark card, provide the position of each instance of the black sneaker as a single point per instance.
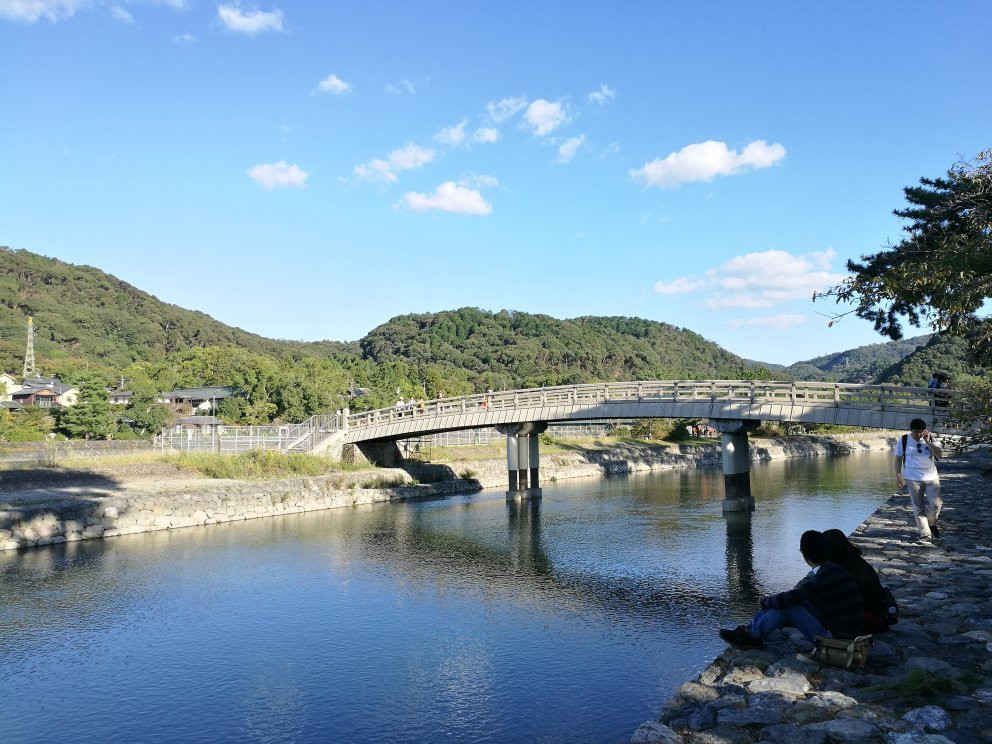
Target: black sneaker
(740, 636)
(935, 531)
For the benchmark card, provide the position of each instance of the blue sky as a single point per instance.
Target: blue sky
(310, 170)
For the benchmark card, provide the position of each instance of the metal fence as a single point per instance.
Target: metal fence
(233, 440)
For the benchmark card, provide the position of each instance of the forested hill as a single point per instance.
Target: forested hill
(862, 364)
(82, 313)
(520, 349)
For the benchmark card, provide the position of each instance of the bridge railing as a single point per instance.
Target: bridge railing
(880, 397)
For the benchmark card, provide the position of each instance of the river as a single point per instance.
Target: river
(568, 619)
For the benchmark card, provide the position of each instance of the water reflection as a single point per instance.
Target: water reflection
(741, 580)
(524, 520)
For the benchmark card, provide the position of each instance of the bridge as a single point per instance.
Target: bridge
(733, 407)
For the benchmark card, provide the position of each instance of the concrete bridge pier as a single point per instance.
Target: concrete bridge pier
(736, 462)
(383, 453)
(523, 459)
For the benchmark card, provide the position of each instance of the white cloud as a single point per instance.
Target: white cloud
(704, 161)
(185, 39)
(448, 197)
(252, 22)
(505, 108)
(545, 117)
(603, 95)
(30, 11)
(398, 89)
(409, 157)
(375, 170)
(119, 14)
(781, 322)
(760, 280)
(453, 135)
(568, 148)
(333, 84)
(486, 135)
(278, 175)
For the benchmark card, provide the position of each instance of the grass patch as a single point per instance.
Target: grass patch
(382, 481)
(467, 474)
(254, 465)
(921, 687)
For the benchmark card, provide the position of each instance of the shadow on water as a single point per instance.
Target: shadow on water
(741, 580)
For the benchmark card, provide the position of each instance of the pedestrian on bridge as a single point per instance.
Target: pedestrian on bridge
(916, 469)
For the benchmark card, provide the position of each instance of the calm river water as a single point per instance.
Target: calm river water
(569, 619)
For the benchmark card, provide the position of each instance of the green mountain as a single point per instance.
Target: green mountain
(863, 364)
(942, 353)
(83, 314)
(511, 349)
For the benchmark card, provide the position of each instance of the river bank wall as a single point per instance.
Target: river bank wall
(46, 516)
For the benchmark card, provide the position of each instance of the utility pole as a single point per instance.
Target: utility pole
(29, 370)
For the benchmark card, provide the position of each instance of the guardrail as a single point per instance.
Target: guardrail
(303, 437)
(876, 397)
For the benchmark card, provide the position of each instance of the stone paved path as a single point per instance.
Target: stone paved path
(928, 680)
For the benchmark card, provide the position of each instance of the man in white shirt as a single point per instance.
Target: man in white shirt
(916, 468)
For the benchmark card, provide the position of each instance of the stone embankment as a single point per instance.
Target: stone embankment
(39, 514)
(928, 679)
(635, 458)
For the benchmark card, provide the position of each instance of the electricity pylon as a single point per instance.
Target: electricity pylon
(29, 370)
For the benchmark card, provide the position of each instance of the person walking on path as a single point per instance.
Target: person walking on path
(916, 468)
(826, 602)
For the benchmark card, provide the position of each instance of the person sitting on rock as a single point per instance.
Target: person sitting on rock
(875, 614)
(825, 602)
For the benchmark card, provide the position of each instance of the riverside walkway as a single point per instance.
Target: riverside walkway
(928, 679)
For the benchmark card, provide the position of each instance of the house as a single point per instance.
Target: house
(120, 397)
(41, 397)
(198, 399)
(9, 405)
(46, 392)
(7, 386)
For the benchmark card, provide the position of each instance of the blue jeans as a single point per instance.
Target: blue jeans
(801, 616)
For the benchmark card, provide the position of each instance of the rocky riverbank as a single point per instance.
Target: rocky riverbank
(928, 679)
(52, 505)
(635, 457)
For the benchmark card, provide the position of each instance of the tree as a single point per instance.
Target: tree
(31, 424)
(941, 272)
(971, 410)
(149, 416)
(92, 417)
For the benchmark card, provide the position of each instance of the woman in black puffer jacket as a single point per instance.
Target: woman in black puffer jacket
(878, 606)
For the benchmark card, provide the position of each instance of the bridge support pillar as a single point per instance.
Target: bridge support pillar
(523, 459)
(736, 462)
(382, 453)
